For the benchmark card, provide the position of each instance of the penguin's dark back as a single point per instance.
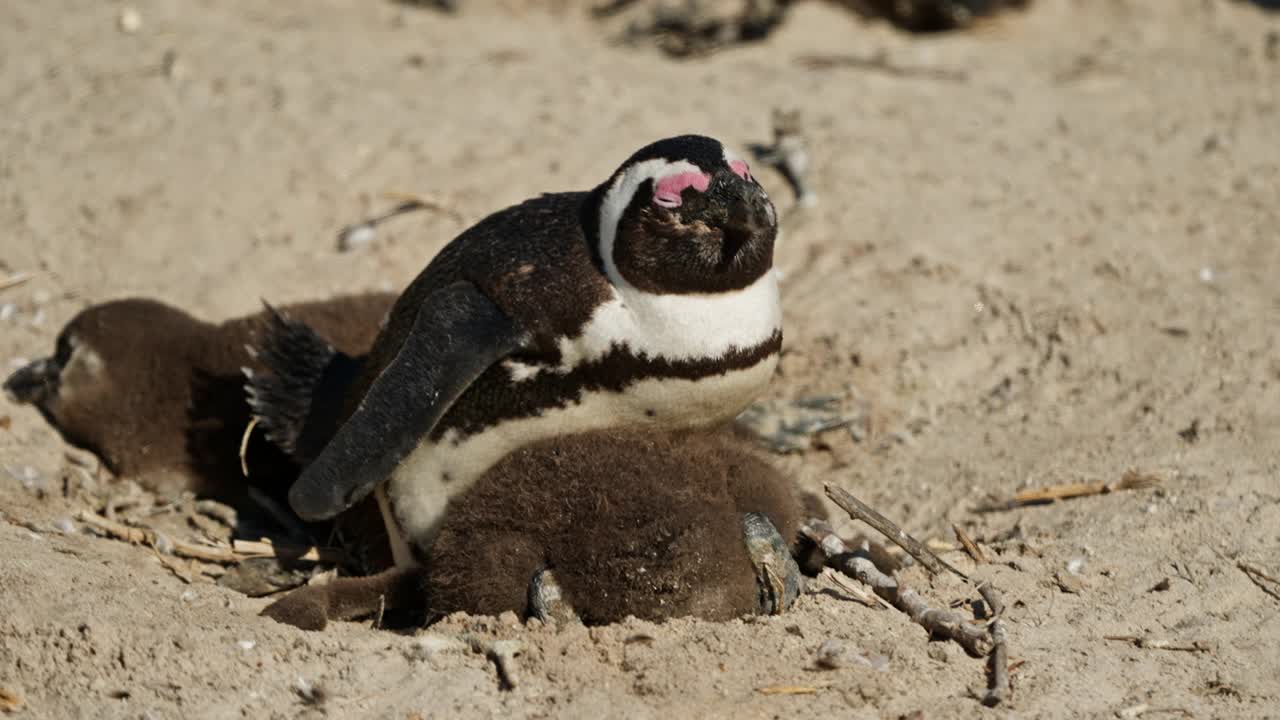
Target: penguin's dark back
(534, 260)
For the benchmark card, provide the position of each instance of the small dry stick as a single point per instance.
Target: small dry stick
(998, 689)
(861, 511)
(788, 690)
(241, 550)
(943, 623)
(208, 527)
(969, 546)
(224, 514)
(244, 444)
(1131, 480)
(1257, 575)
(869, 599)
(1152, 644)
(14, 280)
(252, 548)
(180, 569)
(1136, 711)
(147, 536)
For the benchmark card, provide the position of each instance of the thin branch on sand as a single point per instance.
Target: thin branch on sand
(1147, 643)
(239, 551)
(989, 640)
(1260, 577)
(969, 545)
(15, 280)
(1131, 480)
(998, 687)
(861, 511)
(942, 623)
(857, 593)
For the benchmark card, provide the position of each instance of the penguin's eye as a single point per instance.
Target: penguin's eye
(667, 190)
(740, 169)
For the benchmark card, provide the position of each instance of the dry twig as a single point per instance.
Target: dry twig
(252, 548)
(969, 546)
(858, 594)
(1257, 575)
(1131, 480)
(1136, 711)
(224, 514)
(1147, 643)
(244, 444)
(943, 623)
(207, 527)
(861, 511)
(788, 690)
(977, 641)
(240, 550)
(15, 280)
(180, 569)
(998, 688)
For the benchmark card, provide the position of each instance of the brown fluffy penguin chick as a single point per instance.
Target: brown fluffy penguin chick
(158, 394)
(634, 522)
(631, 523)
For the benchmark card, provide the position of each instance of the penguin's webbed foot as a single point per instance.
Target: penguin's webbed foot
(777, 573)
(313, 606)
(546, 600)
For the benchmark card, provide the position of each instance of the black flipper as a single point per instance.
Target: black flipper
(298, 400)
(458, 334)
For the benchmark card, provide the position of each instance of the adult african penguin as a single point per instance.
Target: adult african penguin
(649, 300)
(157, 394)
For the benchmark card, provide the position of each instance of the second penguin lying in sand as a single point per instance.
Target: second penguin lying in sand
(614, 523)
(156, 393)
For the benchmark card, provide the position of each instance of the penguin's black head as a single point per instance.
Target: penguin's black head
(113, 369)
(683, 216)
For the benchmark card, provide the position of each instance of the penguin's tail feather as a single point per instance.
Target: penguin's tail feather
(298, 399)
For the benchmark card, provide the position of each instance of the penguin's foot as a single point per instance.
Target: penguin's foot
(313, 606)
(257, 577)
(546, 600)
(777, 574)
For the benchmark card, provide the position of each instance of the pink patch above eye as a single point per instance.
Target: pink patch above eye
(740, 169)
(666, 192)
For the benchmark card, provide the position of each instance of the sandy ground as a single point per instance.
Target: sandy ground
(1037, 267)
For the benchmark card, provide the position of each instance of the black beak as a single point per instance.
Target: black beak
(749, 210)
(751, 216)
(34, 383)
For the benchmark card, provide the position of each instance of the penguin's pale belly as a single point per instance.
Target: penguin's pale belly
(421, 486)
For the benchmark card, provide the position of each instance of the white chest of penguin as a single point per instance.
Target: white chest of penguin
(689, 329)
